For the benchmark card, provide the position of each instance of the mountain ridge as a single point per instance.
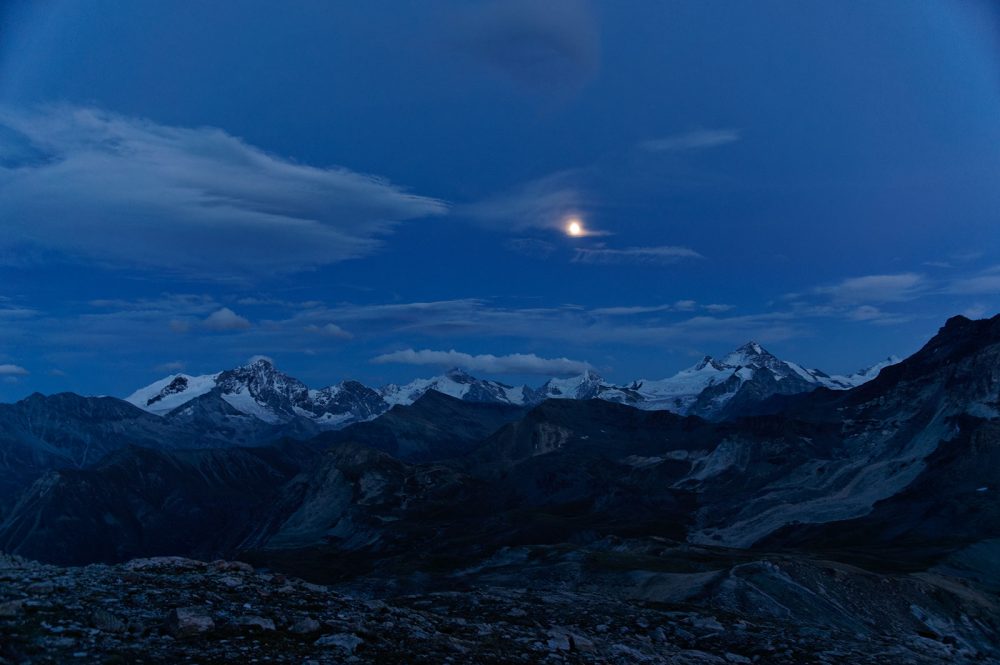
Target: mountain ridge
(747, 374)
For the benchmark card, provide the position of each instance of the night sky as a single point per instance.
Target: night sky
(381, 190)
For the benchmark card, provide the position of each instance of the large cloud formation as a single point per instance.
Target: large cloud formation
(198, 202)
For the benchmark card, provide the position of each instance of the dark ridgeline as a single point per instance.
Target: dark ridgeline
(868, 513)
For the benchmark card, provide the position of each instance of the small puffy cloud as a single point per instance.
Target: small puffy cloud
(12, 370)
(696, 140)
(875, 288)
(224, 320)
(516, 363)
(329, 330)
(122, 191)
(545, 47)
(661, 254)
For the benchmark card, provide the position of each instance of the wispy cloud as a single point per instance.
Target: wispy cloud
(872, 314)
(128, 192)
(545, 203)
(694, 140)
(12, 370)
(515, 363)
(478, 318)
(329, 330)
(679, 306)
(544, 47)
(633, 310)
(986, 284)
(876, 288)
(976, 311)
(660, 254)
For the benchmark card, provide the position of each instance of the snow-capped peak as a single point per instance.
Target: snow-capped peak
(582, 386)
(866, 374)
(168, 393)
(751, 355)
(456, 383)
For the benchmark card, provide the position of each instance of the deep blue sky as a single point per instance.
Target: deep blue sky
(185, 185)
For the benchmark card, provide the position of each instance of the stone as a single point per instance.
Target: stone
(255, 622)
(231, 582)
(41, 588)
(345, 641)
(106, 621)
(11, 608)
(188, 621)
(305, 626)
(221, 566)
(163, 563)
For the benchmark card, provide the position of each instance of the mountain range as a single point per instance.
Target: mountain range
(862, 508)
(712, 388)
(257, 404)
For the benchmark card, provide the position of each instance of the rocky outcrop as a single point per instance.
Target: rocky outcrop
(179, 610)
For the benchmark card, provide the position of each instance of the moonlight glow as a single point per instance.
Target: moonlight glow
(574, 228)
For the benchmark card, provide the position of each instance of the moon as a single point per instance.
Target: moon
(574, 228)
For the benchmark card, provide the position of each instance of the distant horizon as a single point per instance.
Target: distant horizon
(512, 379)
(538, 186)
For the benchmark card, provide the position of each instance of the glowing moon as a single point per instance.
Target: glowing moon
(574, 228)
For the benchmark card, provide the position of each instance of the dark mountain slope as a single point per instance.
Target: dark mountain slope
(143, 502)
(65, 430)
(435, 426)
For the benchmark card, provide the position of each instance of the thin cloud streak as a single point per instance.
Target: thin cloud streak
(695, 140)
(515, 363)
(876, 288)
(661, 254)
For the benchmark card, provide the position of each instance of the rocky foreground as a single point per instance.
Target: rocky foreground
(171, 610)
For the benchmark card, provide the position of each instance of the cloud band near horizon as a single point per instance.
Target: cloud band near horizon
(515, 363)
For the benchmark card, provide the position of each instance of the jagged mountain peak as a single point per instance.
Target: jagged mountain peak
(460, 375)
(752, 355)
(258, 368)
(752, 348)
(259, 360)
